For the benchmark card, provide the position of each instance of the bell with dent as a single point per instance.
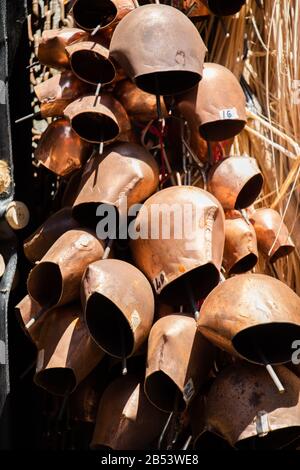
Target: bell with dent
(216, 107)
(240, 251)
(126, 420)
(252, 316)
(55, 280)
(223, 7)
(242, 408)
(152, 28)
(181, 243)
(97, 118)
(119, 306)
(52, 46)
(235, 181)
(66, 352)
(178, 362)
(134, 173)
(273, 237)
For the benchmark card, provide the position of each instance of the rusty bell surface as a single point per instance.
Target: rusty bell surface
(240, 251)
(97, 119)
(105, 14)
(134, 174)
(61, 150)
(236, 182)
(165, 53)
(52, 46)
(178, 362)
(243, 408)
(37, 245)
(181, 245)
(66, 352)
(216, 106)
(272, 234)
(223, 7)
(55, 280)
(126, 419)
(253, 316)
(119, 306)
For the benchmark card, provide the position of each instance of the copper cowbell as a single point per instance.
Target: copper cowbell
(253, 316)
(37, 245)
(97, 118)
(178, 65)
(235, 182)
(55, 280)
(243, 408)
(61, 150)
(216, 107)
(134, 174)
(240, 251)
(179, 242)
(119, 306)
(126, 420)
(178, 362)
(273, 237)
(223, 7)
(66, 352)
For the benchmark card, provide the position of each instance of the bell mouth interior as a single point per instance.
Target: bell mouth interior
(95, 127)
(162, 392)
(90, 13)
(58, 380)
(167, 83)
(86, 214)
(92, 67)
(108, 326)
(273, 341)
(210, 441)
(244, 264)
(225, 8)
(249, 192)
(199, 281)
(278, 439)
(45, 284)
(282, 251)
(217, 131)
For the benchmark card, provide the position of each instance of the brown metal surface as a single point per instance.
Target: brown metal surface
(37, 245)
(119, 306)
(235, 182)
(198, 10)
(269, 227)
(243, 407)
(152, 28)
(51, 49)
(223, 7)
(61, 150)
(57, 92)
(216, 107)
(126, 419)
(70, 192)
(240, 251)
(67, 354)
(178, 362)
(140, 106)
(254, 316)
(193, 259)
(124, 169)
(97, 119)
(55, 280)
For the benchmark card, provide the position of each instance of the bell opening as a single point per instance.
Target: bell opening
(225, 8)
(91, 126)
(108, 326)
(167, 83)
(249, 192)
(85, 214)
(58, 380)
(88, 14)
(162, 392)
(273, 340)
(210, 441)
(201, 282)
(45, 284)
(91, 67)
(282, 251)
(217, 131)
(277, 439)
(244, 264)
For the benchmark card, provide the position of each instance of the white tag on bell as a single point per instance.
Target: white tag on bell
(230, 113)
(189, 390)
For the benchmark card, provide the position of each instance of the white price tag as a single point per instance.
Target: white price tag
(188, 391)
(135, 320)
(159, 281)
(230, 113)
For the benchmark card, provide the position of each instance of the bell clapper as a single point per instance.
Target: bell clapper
(270, 370)
(95, 31)
(191, 9)
(97, 93)
(244, 214)
(29, 116)
(192, 301)
(226, 33)
(161, 437)
(124, 359)
(108, 249)
(38, 315)
(187, 443)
